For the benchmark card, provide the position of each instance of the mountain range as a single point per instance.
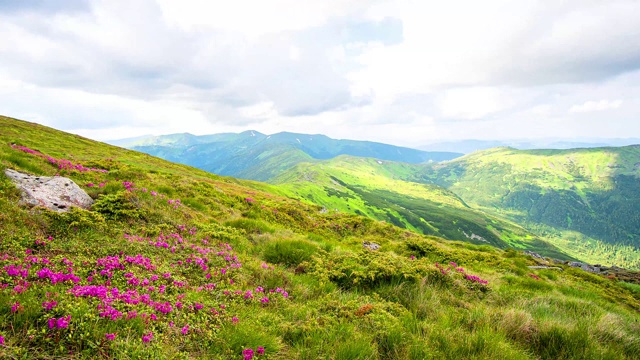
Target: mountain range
(253, 155)
(572, 203)
(469, 146)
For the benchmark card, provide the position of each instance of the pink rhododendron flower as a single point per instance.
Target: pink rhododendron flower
(247, 354)
(147, 337)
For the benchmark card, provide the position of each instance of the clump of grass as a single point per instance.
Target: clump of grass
(289, 252)
(251, 226)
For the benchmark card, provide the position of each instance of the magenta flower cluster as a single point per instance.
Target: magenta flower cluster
(248, 353)
(124, 287)
(454, 267)
(60, 323)
(129, 186)
(61, 163)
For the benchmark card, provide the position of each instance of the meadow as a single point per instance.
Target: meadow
(177, 263)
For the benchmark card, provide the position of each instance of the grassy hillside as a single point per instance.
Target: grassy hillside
(375, 189)
(585, 200)
(174, 262)
(252, 155)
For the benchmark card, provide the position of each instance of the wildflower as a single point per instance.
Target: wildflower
(52, 323)
(48, 305)
(185, 329)
(248, 354)
(147, 337)
(132, 314)
(1, 340)
(110, 336)
(63, 322)
(260, 350)
(235, 320)
(534, 276)
(16, 306)
(264, 300)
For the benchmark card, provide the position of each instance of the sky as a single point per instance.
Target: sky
(401, 72)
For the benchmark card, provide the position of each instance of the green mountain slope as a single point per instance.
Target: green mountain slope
(252, 155)
(375, 188)
(174, 262)
(585, 200)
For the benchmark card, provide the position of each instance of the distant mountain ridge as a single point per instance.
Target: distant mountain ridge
(470, 145)
(584, 200)
(256, 156)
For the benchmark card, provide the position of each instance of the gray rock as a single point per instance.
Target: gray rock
(596, 269)
(56, 193)
(371, 245)
(534, 255)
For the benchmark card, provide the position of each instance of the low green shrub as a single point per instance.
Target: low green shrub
(289, 252)
(365, 269)
(117, 206)
(251, 226)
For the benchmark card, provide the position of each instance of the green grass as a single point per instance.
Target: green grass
(341, 302)
(377, 190)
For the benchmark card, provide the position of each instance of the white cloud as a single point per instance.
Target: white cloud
(261, 110)
(591, 106)
(471, 103)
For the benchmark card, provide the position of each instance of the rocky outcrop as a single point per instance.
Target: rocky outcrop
(370, 245)
(596, 269)
(534, 255)
(56, 193)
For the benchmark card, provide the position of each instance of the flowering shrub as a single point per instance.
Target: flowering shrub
(60, 323)
(473, 281)
(248, 354)
(62, 164)
(534, 276)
